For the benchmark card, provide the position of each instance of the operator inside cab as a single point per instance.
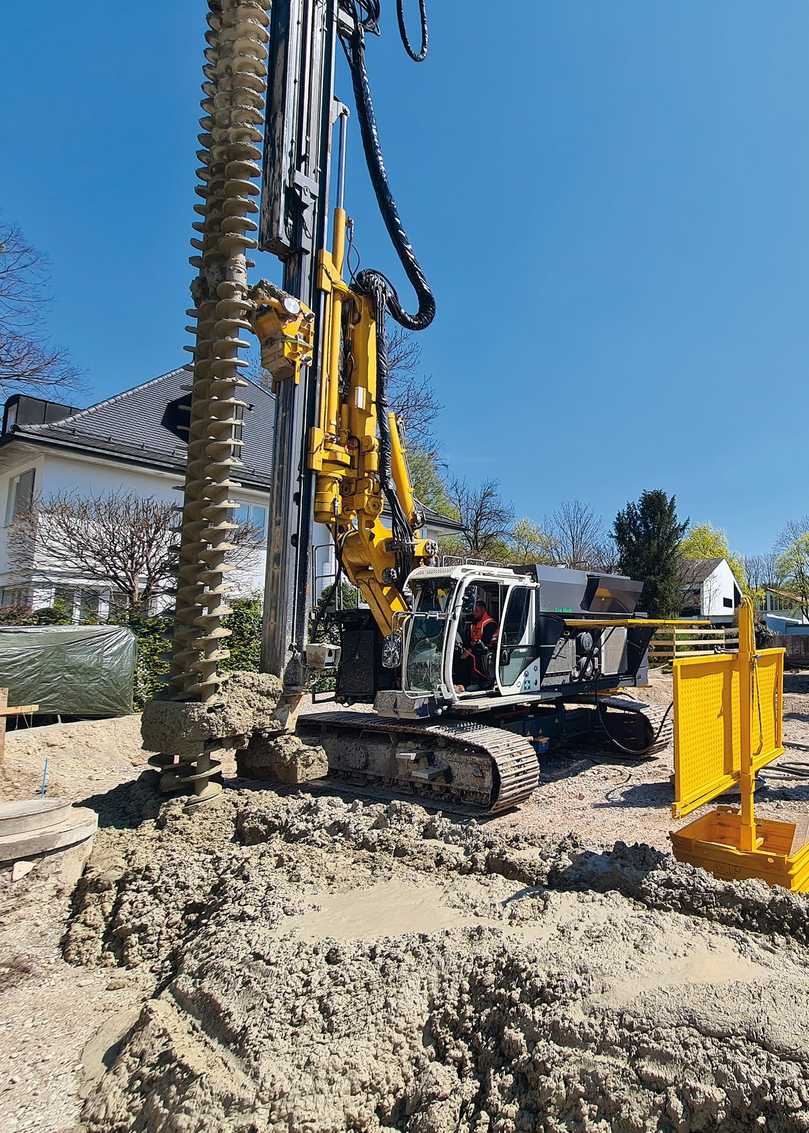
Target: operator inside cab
(474, 668)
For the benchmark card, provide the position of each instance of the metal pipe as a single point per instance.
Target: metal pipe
(748, 838)
(401, 475)
(342, 114)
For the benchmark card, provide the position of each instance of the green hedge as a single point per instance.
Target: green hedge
(154, 645)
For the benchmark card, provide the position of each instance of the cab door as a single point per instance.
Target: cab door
(518, 647)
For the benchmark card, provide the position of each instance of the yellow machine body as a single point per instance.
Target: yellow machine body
(343, 447)
(728, 724)
(286, 329)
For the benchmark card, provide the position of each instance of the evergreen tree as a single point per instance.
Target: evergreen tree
(647, 535)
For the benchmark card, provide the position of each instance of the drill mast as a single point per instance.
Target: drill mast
(294, 210)
(333, 423)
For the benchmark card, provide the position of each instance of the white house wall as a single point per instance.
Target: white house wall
(718, 586)
(58, 473)
(96, 478)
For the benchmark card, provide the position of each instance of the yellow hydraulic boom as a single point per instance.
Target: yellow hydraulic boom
(344, 450)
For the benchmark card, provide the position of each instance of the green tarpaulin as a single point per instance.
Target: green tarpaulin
(70, 670)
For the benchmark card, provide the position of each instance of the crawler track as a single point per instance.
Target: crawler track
(654, 718)
(646, 728)
(457, 763)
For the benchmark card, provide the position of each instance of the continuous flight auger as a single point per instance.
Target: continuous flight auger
(231, 138)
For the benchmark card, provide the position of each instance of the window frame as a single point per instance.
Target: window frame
(12, 511)
(249, 508)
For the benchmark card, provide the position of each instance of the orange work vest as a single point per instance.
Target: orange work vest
(476, 629)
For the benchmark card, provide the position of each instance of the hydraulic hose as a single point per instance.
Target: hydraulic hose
(365, 16)
(416, 56)
(371, 279)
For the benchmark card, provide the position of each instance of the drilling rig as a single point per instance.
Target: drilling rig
(567, 638)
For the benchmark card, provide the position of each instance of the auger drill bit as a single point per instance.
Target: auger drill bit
(235, 72)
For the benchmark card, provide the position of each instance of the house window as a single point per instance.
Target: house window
(727, 603)
(16, 596)
(20, 495)
(65, 596)
(88, 610)
(252, 515)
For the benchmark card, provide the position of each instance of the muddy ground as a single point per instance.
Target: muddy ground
(301, 962)
(604, 796)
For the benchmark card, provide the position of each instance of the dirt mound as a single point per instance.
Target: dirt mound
(86, 756)
(322, 966)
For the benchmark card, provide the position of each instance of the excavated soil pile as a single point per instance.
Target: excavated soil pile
(322, 966)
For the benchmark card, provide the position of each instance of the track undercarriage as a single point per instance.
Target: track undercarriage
(479, 767)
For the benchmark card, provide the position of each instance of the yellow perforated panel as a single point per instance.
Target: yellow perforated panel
(706, 729)
(706, 723)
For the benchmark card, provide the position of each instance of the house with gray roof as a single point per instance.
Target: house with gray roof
(130, 443)
(709, 589)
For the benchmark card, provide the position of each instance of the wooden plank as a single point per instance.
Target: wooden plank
(18, 710)
(689, 635)
(3, 705)
(701, 640)
(698, 653)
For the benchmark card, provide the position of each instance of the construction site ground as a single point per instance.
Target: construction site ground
(298, 961)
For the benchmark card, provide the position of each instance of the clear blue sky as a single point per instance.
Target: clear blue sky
(611, 200)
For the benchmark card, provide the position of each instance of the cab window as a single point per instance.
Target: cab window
(516, 617)
(518, 646)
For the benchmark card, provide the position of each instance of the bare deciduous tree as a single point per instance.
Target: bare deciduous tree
(576, 534)
(487, 518)
(124, 541)
(762, 570)
(795, 529)
(26, 357)
(410, 393)
(605, 555)
(404, 349)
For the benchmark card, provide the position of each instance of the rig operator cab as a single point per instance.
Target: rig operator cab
(558, 633)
